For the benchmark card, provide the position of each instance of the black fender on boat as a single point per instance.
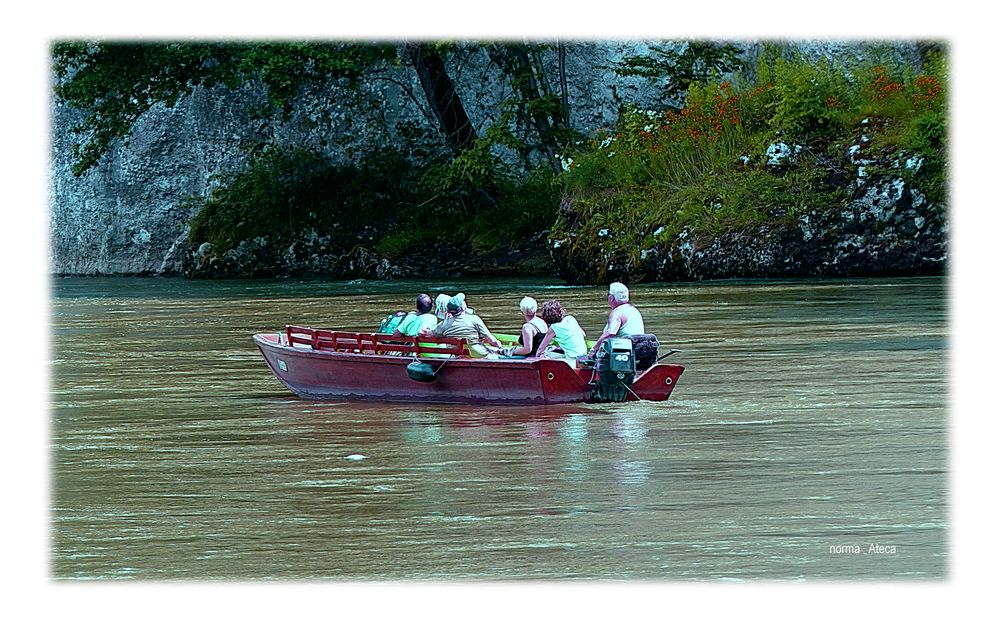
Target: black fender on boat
(421, 372)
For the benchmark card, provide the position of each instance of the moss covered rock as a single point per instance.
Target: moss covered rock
(885, 226)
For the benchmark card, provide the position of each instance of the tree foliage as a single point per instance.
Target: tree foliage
(694, 62)
(115, 83)
(535, 104)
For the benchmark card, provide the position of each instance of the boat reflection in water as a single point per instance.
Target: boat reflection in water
(386, 419)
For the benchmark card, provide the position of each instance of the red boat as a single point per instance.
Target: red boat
(326, 364)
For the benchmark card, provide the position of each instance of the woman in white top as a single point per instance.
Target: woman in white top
(532, 331)
(564, 332)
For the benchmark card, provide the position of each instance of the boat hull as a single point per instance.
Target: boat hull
(324, 375)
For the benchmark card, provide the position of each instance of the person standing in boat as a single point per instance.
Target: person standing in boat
(463, 325)
(566, 338)
(532, 331)
(413, 323)
(624, 319)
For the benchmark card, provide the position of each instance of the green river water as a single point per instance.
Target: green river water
(809, 429)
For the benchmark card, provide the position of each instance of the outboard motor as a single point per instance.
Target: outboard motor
(615, 370)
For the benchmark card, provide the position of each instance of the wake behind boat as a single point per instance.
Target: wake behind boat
(330, 364)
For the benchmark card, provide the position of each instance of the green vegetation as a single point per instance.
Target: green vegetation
(445, 183)
(704, 167)
(385, 201)
(283, 195)
(676, 69)
(699, 162)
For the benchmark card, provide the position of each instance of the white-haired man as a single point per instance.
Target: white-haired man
(624, 319)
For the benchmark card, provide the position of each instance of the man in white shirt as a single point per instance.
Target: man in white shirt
(624, 319)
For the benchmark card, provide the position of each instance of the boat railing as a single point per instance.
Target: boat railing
(373, 343)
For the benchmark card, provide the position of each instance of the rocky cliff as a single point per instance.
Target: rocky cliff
(130, 214)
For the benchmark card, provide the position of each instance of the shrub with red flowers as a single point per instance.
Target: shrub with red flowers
(702, 168)
(708, 112)
(928, 92)
(900, 97)
(882, 86)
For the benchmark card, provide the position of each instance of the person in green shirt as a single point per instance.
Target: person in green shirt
(414, 322)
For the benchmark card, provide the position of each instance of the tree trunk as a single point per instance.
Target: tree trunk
(563, 86)
(442, 98)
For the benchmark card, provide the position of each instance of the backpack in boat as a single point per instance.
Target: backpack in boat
(391, 321)
(646, 348)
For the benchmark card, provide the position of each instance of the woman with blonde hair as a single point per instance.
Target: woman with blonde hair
(532, 331)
